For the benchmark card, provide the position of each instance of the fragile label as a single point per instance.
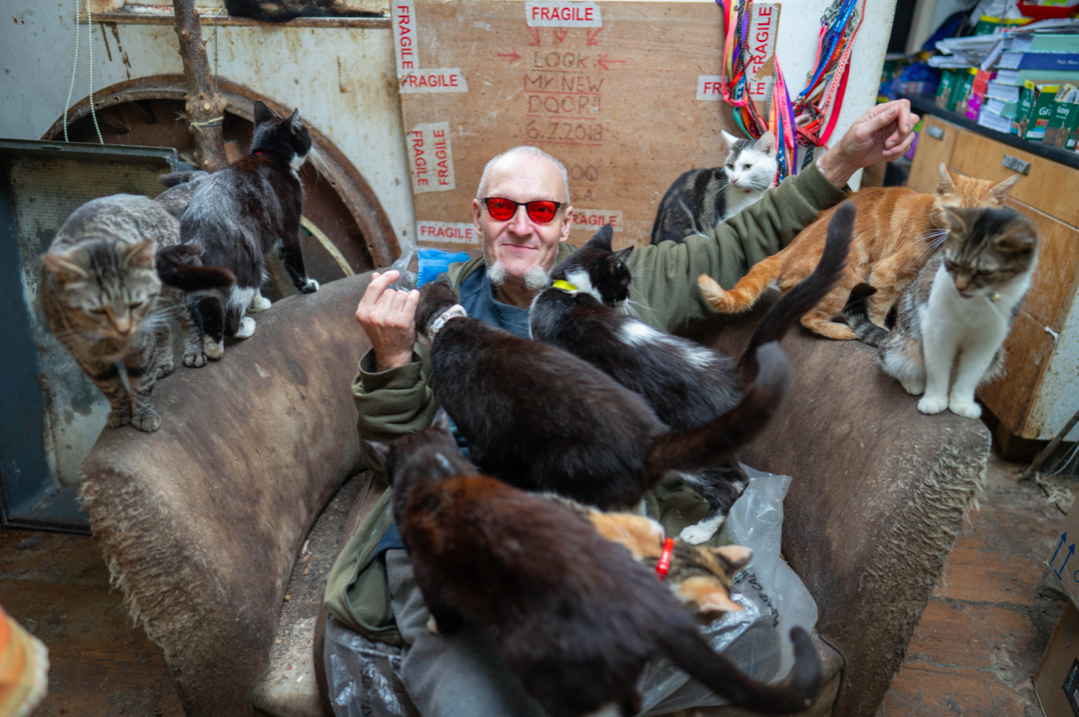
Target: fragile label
(404, 36)
(593, 219)
(563, 14)
(761, 41)
(447, 233)
(430, 157)
(709, 87)
(444, 80)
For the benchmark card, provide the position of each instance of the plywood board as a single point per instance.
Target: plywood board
(625, 94)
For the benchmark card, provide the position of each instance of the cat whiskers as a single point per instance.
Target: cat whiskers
(321, 164)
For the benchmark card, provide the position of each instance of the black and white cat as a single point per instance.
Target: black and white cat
(702, 198)
(957, 313)
(686, 384)
(285, 10)
(239, 214)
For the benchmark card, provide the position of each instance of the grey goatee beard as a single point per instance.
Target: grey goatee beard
(535, 279)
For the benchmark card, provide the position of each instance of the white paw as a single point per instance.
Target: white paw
(967, 409)
(432, 626)
(247, 328)
(933, 404)
(214, 350)
(914, 388)
(310, 287)
(259, 303)
(701, 532)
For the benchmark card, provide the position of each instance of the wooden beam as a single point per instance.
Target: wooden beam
(205, 107)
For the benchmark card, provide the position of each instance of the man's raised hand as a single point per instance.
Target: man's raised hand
(388, 317)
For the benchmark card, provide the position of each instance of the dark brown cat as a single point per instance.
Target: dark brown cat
(575, 616)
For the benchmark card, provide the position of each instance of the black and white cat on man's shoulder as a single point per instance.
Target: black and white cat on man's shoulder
(238, 215)
(702, 198)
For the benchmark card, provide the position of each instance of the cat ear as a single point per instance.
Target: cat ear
(294, 120)
(139, 256)
(1000, 190)
(382, 450)
(729, 138)
(441, 421)
(1020, 240)
(767, 143)
(64, 267)
(946, 185)
(602, 239)
(620, 256)
(735, 556)
(262, 112)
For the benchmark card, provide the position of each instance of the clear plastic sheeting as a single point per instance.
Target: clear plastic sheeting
(365, 677)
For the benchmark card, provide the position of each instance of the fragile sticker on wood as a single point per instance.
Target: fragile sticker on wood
(447, 233)
(430, 157)
(761, 40)
(710, 87)
(595, 218)
(411, 77)
(563, 14)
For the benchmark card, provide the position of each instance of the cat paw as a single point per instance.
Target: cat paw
(432, 625)
(914, 388)
(932, 404)
(247, 328)
(165, 368)
(194, 360)
(966, 409)
(701, 532)
(118, 417)
(214, 350)
(259, 303)
(147, 421)
(310, 287)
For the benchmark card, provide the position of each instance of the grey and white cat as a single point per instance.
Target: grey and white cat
(958, 311)
(702, 198)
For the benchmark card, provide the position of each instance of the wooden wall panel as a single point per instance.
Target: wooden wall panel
(616, 104)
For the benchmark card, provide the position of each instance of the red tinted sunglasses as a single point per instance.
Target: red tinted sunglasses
(541, 211)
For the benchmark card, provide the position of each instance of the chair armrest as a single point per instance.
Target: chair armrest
(878, 495)
(202, 521)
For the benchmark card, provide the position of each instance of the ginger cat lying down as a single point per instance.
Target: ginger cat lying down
(895, 233)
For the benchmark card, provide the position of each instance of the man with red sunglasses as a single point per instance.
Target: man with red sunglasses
(523, 213)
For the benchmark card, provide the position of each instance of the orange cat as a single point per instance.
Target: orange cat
(895, 232)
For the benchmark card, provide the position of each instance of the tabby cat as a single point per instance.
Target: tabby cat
(284, 10)
(240, 213)
(179, 188)
(106, 304)
(896, 232)
(575, 617)
(702, 198)
(958, 311)
(686, 384)
(543, 419)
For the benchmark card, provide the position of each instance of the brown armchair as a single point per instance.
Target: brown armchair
(209, 525)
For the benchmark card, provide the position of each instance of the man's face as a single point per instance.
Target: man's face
(519, 242)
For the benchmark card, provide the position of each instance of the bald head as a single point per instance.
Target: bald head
(513, 156)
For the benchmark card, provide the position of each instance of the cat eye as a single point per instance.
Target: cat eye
(541, 211)
(746, 166)
(136, 305)
(100, 312)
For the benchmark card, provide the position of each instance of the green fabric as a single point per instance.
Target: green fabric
(401, 401)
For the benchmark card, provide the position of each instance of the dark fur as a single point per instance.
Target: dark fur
(686, 384)
(284, 10)
(543, 419)
(180, 186)
(242, 212)
(574, 616)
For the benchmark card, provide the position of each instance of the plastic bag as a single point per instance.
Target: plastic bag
(365, 677)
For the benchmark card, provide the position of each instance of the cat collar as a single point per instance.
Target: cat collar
(451, 313)
(563, 285)
(664, 563)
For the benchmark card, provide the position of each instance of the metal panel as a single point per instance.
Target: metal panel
(50, 412)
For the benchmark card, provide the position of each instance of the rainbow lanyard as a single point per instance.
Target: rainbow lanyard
(797, 122)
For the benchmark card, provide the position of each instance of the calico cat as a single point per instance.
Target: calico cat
(240, 213)
(575, 617)
(105, 303)
(543, 419)
(958, 311)
(284, 10)
(896, 232)
(686, 384)
(702, 198)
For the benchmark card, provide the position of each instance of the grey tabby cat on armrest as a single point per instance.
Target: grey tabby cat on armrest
(104, 301)
(702, 198)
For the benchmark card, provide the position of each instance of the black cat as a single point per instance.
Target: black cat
(284, 10)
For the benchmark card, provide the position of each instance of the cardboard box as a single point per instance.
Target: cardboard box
(1062, 560)
(944, 89)
(1056, 683)
(1036, 105)
(1063, 130)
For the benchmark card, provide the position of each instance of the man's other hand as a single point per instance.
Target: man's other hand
(389, 318)
(884, 132)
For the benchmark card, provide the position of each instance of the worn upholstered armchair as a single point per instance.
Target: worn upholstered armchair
(221, 526)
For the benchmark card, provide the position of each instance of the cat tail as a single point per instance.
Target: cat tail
(180, 266)
(745, 293)
(709, 444)
(173, 179)
(857, 313)
(809, 291)
(683, 644)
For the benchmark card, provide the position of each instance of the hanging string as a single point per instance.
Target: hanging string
(75, 67)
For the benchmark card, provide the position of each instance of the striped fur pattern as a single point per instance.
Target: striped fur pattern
(896, 233)
(103, 300)
(952, 320)
(239, 214)
(686, 384)
(702, 198)
(285, 10)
